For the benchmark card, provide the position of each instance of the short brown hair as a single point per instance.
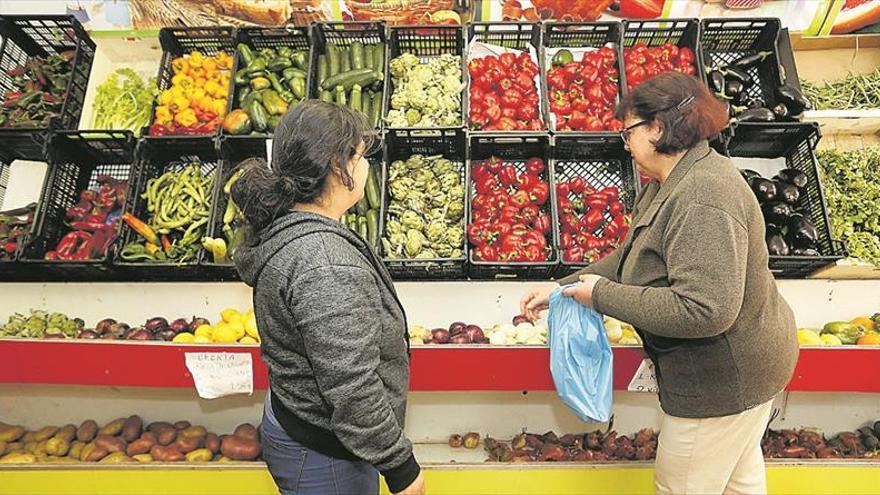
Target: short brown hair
(701, 117)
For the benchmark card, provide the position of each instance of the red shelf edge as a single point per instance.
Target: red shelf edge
(434, 369)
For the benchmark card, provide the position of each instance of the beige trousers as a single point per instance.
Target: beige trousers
(712, 455)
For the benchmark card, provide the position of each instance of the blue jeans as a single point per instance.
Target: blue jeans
(299, 470)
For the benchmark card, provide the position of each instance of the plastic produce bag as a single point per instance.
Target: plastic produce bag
(581, 360)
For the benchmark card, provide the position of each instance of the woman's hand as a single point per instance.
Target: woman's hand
(583, 292)
(417, 487)
(536, 300)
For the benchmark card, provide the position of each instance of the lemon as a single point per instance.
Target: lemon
(250, 326)
(238, 327)
(184, 338)
(230, 315)
(808, 337)
(201, 339)
(205, 331)
(829, 339)
(225, 333)
(247, 339)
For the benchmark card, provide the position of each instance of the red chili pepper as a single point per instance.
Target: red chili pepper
(141, 228)
(71, 244)
(87, 226)
(166, 244)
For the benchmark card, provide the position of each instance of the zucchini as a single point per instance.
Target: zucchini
(332, 60)
(380, 57)
(363, 231)
(340, 96)
(323, 69)
(372, 189)
(362, 77)
(366, 98)
(327, 96)
(344, 60)
(355, 102)
(376, 109)
(362, 206)
(357, 55)
(373, 227)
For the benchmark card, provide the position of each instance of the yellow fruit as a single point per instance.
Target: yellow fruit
(870, 339)
(204, 331)
(247, 340)
(865, 322)
(226, 333)
(184, 338)
(201, 339)
(230, 314)
(808, 337)
(250, 326)
(238, 327)
(830, 339)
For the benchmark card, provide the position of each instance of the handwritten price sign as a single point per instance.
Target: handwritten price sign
(645, 380)
(218, 374)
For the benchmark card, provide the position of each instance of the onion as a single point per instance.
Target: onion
(167, 335)
(88, 334)
(461, 338)
(457, 328)
(156, 324)
(475, 333)
(109, 336)
(140, 334)
(520, 319)
(440, 335)
(197, 322)
(179, 325)
(104, 325)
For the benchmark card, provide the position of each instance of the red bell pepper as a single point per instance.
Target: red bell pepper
(539, 193)
(616, 207)
(542, 224)
(591, 220)
(577, 185)
(479, 171)
(535, 166)
(487, 184)
(520, 199)
(529, 213)
(507, 175)
(597, 201)
(574, 254)
(566, 240)
(565, 206)
(568, 222)
(562, 190)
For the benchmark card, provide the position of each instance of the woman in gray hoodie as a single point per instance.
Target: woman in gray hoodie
(334, 334)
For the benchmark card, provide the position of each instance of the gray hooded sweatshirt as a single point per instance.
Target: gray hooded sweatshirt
(335, 341)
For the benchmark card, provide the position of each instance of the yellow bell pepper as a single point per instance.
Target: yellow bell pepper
(163, 114)
(179, 105)
(219, 107)
(198, 73)
(186, 118)
(177, 92)
(200, 82)
(198, 93)
(179, 65)
(211, 87)
(210, 64)
(182, 80)
(205, 103)
(166, 97)
(196, 59)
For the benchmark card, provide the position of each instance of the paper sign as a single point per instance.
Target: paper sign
(269, 152)
(644, 380)
(218, 374)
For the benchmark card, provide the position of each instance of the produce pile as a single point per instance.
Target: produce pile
(582, 447)
(354, 76)
(583, 94)
(126, 440)
(809, 444)
(510, 213)
(790, 231)
(92, 221)
(855, 91)
(862, 330)
(621, 333)
(592, 222)
(124, 101)
(458, 333)
(363, 218)
(14, 224)
(41, 325)
(178, 203)
(504, 94)
(234, 327)
(425, 216)
(196, 102)
(731, 82)
(642, 63)
(267, 84)
(232, 220)
(40, 86)
(851, 181)
(426, 94)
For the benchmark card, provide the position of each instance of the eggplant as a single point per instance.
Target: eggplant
(792, 176)
(764, 189)
(801, 233)
(737, 74)
(716, 81)
(772, 229)
(749, 175)
(760, 114)
(756, 103)
(793, 99)
(776, 245)
(750, 60)
(776, 213)
(781, 111)
(787, 193)
(734, 88)
(805, 252)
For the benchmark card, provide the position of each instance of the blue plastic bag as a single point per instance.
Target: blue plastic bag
(581, 360)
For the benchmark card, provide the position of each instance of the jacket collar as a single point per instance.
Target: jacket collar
(698, 152)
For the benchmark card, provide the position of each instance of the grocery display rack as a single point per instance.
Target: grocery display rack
(426, 43)
(400, 144)
(602, 161)
(26, 36)
(681, 32)
(796, 143)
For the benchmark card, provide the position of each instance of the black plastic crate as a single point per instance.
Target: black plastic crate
(681, 32)
(155, 156)
(723, 41)
(514, 150)
(76, 159)
(581, 35)
(27, 36)
(602, 162)
(516, 36)
(426, 43)
(400, 144)
(344, 34)
(179, 41)
(796, 143)
(258, 38)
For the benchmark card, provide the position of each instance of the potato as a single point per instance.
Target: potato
(149, 435)
(212, 443)
(158, 425)
(182, 425)
(41, 457)
(92, 453)
(14, 447)
(166, 436)
(29, 437)
(41, 448)
(247, 431)
(140, 446)
(132, 428)
(116, 458)
(2, 448)
(67, 433)
(57, 446)
(45, 433)
(185, 445)
(166, 454)
(10, 433)
(112, 428)
(87, 431)
(223, 459)
(199, 455)
(110, 443)
(54, 459)
(76, 449)
(240, 449)
(18, 458)
(30, 447)
(143, 458)
(193, 432)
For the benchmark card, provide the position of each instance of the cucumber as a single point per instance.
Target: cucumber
(344, 60)
(373, 227)
(366, 99)
(372, 189)
(362, 77)
(352, 221)
(327, 96)
(362, 206)
(340, 96)
(323, 69)
(363, 230)
(332, 60)
(357, 55)
(356, 103)
(376, 109)
(380, 57)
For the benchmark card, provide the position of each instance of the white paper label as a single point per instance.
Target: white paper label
(269, 152)
(644, 380)
(218, 374)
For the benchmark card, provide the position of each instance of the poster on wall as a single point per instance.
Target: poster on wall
(853, 17)
(805, 16)
(573, 10)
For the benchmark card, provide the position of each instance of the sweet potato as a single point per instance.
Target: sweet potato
(18, 458)
(212, 443)
(112, 428)
(193, 432)
(240, 449)
(166, 454)
(199, 455)
(67, 433)
(76, 449)
(185, 445)
(132, 428)
(45, 433)
(57, 446)
(87, 431)
(247, 431)
(92, 453)
(166, 435)
(110, 443)
(140, 446)
(10, 433)
(182, 425)
(116, 458)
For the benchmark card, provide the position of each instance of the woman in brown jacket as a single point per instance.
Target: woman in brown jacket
(692, 277)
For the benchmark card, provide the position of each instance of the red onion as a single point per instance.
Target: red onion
(141, 334)
(440, 335)
(167, 335)
(156, 324)
(109, 336)
(520, 319)
(179, 325)
(104, 325)
(88, 334)
(126, 335)
(475, 333)
(456, 441)
(457, 328)
(461, 338)
(197, 322)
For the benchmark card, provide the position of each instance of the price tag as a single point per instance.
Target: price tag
(269, 152)
(644, 380)
(218, 374)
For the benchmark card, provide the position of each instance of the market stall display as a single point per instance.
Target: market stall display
(653, 47)
(124, 101)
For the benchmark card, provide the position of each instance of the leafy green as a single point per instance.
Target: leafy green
(852, 187)
(124, 101)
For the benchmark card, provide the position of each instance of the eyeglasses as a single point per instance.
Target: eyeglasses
(625, 133)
